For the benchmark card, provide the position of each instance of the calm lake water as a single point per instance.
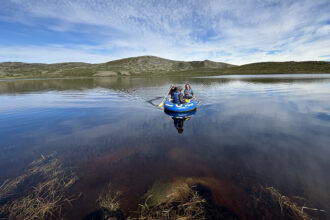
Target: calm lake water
(248, 130)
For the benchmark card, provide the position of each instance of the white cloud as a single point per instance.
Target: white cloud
(50, 54)
(239, 31)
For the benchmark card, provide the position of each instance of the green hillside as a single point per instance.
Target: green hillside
(280, 67)
(154, 66)
(145, 65)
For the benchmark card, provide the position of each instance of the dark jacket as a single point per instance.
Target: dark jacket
(178, 98)
(172, 91)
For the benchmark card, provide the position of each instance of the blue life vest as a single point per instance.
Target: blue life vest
(176, 99)
(188, 93)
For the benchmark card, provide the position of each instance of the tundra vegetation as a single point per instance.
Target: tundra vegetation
(154, 66)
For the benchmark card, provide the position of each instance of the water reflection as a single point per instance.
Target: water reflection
(246, 132)
(132, 84)
(179, 118)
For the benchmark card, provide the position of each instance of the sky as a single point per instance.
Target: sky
(231, 31)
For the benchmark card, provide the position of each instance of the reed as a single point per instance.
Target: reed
(39, 193)
(109, 199)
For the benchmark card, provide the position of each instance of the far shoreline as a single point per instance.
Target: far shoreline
(266, 75)
(150, 66)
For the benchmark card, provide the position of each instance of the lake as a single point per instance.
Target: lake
(248, 131)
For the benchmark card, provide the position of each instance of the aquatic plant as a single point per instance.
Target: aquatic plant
(182, 203)
(108, 206)
(188, 198)
(271, 204)
(109, 199)
(39, 193)
(179, 199)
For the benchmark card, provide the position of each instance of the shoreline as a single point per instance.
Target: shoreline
(268, 75)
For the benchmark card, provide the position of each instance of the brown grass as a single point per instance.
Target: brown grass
(271, 204)
(180, 200)
(190, 208)
(286, 205)
(180, 203)
(39, 193)
(109, 199)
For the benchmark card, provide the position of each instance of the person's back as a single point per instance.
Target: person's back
(178, 97)
(172, 91)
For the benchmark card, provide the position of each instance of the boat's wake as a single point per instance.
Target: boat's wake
(155, 101)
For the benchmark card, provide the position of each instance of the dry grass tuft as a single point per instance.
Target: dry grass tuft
(167, 192)
(39, 193)
(109, 199)
(182, 203)
(291, 209)
(271, 204)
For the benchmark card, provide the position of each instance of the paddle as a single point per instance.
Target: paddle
(162, 103)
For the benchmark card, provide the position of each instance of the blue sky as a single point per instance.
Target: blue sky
(96, 31)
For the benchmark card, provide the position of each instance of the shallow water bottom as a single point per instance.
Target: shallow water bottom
(247, 134)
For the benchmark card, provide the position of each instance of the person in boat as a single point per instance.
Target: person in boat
(172, 91)
(188, 92)
(178, 96)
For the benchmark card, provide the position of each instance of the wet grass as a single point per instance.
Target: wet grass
(179, 200)
(271, 203)
(42, 191)
(109, 199)
(288, 208)
(39, 193)
(185, 203)
(181, 203)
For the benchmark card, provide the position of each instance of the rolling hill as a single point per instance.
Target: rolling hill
(154, 66)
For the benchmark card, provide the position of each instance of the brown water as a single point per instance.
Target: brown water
(247, 131)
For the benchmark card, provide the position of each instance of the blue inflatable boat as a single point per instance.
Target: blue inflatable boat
(191, 105)
(180, 115)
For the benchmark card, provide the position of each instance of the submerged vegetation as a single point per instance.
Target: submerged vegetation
(43, 190)
(271, 204)
(154, 66)
(183, 203)
(39, 193)
(180, 200)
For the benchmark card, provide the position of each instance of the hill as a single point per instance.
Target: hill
(154, 66)
(145, 65)
(280, 67)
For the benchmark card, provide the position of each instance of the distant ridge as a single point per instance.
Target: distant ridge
(149, 64)
(154, 66)
(280, 68)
